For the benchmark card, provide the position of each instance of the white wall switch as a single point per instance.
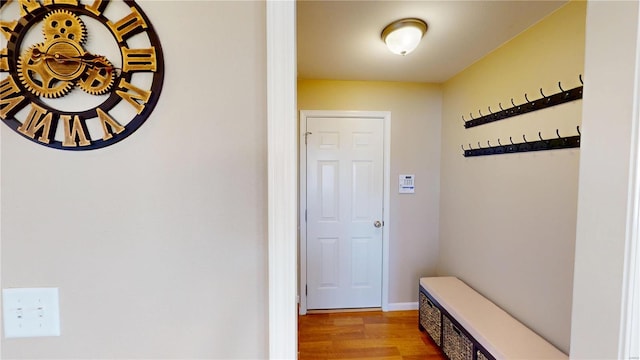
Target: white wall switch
(30, 312)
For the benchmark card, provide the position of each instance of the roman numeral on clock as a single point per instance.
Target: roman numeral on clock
(128, 25)
(139, 59)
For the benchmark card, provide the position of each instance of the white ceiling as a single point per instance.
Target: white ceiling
(340, 40)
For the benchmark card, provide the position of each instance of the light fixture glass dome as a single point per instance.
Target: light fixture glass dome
(403, 36)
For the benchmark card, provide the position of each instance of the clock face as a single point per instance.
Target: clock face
(77, 75)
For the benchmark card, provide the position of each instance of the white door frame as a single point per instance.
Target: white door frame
(386, 117)
(282, 178)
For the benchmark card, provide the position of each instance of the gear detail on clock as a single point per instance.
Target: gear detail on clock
(51, 69)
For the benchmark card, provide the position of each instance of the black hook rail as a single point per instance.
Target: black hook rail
(562, 97)
(526, 146)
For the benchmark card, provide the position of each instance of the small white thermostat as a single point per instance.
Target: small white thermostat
(406, 184)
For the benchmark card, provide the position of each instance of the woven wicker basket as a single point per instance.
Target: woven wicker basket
(455, 344)
(430, 318)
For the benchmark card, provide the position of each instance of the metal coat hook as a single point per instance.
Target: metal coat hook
(545, 97)
(463, 120)
(566, 93)
(558, 133)
(480, 112)
(491, 112)
(499, 142)
(471, 116)
(500, 105)
(524, 138)
(581, 83)
(512, 103)
(540, 136)
(526, 98)
(511, 140)
(488, 143)
(479, 146)
(578, 128)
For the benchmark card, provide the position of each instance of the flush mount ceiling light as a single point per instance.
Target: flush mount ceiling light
(403, 36)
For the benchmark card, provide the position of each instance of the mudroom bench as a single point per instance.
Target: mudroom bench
(467, 326)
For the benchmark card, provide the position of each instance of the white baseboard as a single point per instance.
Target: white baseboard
(403, 306)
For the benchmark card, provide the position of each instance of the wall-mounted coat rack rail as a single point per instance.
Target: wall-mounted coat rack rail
(526, 146)
(562, 97)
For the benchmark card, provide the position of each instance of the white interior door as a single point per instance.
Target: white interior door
(344, 197)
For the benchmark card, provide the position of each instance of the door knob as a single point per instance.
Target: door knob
(377, 223)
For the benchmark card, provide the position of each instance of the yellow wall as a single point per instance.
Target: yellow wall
(415, 149)
(507, 222)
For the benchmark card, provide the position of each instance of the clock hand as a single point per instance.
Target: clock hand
(37, 55)
(94, 61)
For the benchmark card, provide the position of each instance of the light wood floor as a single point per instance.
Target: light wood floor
(364, 335)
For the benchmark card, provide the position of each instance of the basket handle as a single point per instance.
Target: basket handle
(456, 330)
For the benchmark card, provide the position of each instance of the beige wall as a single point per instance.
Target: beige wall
(607, 224)
(508, 222)
(157, 243)
(415, 149)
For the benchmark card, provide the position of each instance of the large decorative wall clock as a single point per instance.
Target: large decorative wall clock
(77, 75)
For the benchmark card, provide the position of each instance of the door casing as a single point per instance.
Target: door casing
(386, 117)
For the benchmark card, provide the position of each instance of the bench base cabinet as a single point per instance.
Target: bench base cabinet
(446, 332)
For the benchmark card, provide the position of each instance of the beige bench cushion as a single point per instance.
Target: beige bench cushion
(498, 332)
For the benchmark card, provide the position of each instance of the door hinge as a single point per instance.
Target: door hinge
(306, 290)
(305, 215)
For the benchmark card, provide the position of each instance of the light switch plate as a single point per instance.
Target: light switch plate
(30, 312)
